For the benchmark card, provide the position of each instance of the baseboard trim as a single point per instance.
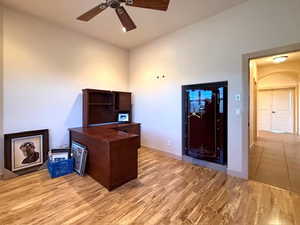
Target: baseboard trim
(237, 174)
(164, 152)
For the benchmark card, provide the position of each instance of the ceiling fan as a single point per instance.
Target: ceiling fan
(124, 17)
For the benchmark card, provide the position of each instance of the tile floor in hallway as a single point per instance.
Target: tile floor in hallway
(275, 160)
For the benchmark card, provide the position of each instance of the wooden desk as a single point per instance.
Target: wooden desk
(112, 152)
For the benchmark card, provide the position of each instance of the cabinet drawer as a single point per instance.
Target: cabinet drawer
(124, 129)
(131, 129)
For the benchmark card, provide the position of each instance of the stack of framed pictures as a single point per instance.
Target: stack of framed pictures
(79, 153)
(59, 154)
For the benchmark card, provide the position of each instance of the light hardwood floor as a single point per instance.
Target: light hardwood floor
(168, 191)
(275, 160)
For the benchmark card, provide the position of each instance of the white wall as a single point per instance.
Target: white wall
(208, 51)
(279, 80)
(288, 66)
(1, 89)
(45, 69)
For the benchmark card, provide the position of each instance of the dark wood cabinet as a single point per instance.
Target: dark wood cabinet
(112, 147)
(205, 121)
(123, 101)
(112, 152)
(101, 106)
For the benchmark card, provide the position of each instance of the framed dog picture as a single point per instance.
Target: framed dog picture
(26, 150)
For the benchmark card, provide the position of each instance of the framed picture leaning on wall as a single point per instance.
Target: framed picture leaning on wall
(26, 150)
(79, 153)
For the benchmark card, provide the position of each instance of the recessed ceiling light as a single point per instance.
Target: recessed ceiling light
(280, 59)
(124, 30)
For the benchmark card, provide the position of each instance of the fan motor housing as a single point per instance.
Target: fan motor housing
(114, 4)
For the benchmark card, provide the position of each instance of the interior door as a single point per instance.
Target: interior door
(264, 112)
(282, 111)
(275, 110)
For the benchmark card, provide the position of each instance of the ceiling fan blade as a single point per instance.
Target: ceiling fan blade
(93, 12)
(125, 19)
(149, 4)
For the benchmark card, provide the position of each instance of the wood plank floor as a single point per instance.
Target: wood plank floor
(168, 191)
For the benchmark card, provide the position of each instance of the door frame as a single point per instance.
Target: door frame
(295, 105)
(245, 96)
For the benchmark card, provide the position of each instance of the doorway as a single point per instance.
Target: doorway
(274, 141)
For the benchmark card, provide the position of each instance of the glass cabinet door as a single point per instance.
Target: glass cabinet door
(205, 122)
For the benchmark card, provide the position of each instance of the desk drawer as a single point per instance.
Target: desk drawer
(124, 129)
(131, 129)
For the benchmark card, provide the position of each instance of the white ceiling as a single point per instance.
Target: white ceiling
(266, 61)
(151, 23)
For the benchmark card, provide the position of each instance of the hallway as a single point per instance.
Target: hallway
(275, 160)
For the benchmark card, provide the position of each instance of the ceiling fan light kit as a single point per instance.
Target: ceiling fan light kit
(123, 16)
